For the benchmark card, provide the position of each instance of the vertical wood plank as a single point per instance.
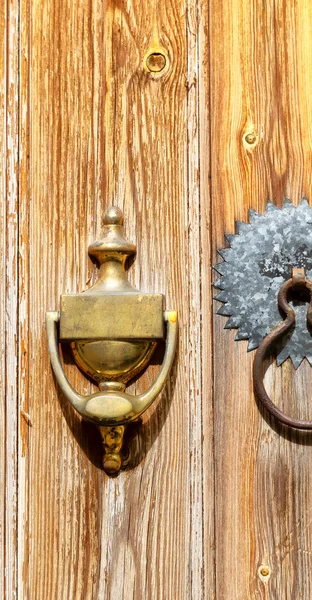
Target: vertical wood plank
(2, 302)
(99, 128)
(260, 83)
(206, 323)
(9, 40)
(25, 421)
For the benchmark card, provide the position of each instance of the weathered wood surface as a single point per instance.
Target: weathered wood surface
(260, 82)
(99, 128)
(215, 491)
(9, 152)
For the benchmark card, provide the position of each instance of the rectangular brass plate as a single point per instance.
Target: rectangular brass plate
(95, 317)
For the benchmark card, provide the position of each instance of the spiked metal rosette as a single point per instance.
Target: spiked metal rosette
(260, 257)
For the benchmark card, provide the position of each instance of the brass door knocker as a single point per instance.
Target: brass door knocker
(113, 330)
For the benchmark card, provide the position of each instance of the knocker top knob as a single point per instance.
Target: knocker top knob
(113, 245)
(113, 216)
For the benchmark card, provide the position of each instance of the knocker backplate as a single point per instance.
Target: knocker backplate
(260, 257)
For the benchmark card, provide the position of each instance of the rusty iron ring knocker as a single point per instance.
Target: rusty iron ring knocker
(298, 281)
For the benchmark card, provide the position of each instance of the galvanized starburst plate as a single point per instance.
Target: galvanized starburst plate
(260, 258)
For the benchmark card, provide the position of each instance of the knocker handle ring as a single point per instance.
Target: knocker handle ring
(297, 281)
(112, 407)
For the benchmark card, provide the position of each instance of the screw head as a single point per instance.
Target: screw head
(264, 572)
(251, 138)
(156, 62)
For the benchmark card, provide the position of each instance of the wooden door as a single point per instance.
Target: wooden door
(147, 105)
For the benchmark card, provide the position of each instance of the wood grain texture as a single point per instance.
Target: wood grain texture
(9, 152)
(98, 128)
(214, 490)
(260, 69)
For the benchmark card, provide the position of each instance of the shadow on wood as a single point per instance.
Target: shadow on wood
(139, 436)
